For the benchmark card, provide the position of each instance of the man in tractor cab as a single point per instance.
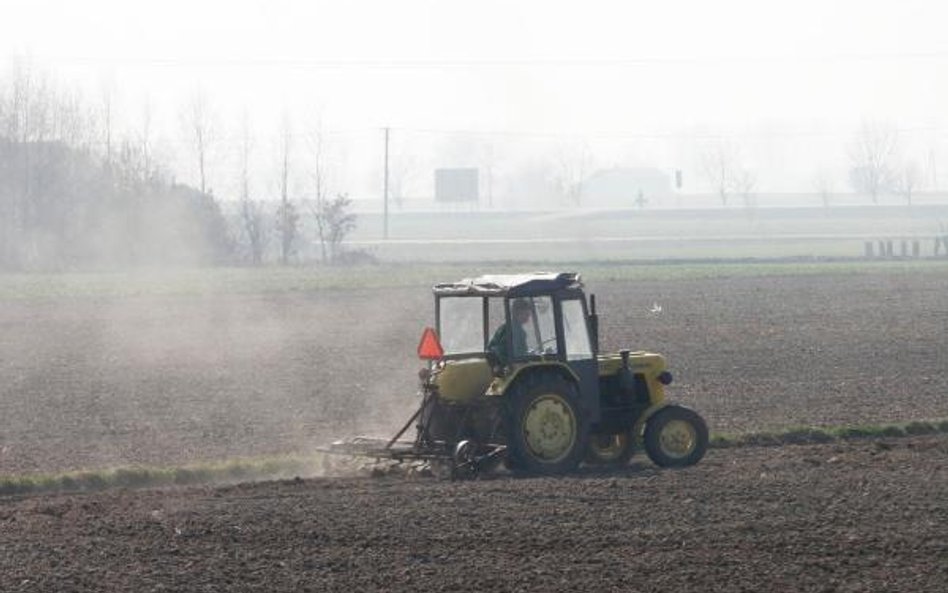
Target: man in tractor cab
(520, 312)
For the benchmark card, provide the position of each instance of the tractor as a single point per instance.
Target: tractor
(514, 375)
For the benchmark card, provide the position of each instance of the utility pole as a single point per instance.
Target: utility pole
(385, 192)
(933, 167)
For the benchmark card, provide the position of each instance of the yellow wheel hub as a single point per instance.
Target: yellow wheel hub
(678, 439)
(549, 428)
(608, 447)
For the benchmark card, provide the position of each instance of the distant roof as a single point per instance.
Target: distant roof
(630, 173)
(511, 284)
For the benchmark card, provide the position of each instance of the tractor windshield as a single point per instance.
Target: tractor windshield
(531, 330)
(540, 328)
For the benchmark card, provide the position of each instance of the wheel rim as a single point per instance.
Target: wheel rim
(678, 439)
(549, 428)
(608, 447)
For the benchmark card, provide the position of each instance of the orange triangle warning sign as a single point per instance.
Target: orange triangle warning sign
(429, 348)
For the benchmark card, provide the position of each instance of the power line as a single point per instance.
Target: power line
(671, 135)
(229, 143)
(412, 63)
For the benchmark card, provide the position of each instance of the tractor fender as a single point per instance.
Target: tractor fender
(501, 385)
(638, 429)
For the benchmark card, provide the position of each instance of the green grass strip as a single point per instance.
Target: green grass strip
(292, 465)
(825, 434)
(212, 472)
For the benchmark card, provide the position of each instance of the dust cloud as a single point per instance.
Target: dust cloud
(107, 381)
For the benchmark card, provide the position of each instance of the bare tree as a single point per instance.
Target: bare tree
(127, 171)
(28, 122)
(488, 157)
(15, 159)
(336, 221)
(720, 164)
(108, 94)
(871, 154)
(287, 216)
(144, 139)
(73, 123)
(7, 208)
(20, 101)
(319, 176)
(253, 215)
(402, 170)
(199, 123)
(941, 238)
(572, 166)
(823, 184)
(744, 184)
(907, 180)
(36, 191)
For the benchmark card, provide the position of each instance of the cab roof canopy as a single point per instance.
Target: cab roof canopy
(511, 285)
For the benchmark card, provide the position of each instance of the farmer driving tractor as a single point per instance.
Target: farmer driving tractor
(521, 312)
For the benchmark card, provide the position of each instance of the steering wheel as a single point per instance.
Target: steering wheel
(543, 347)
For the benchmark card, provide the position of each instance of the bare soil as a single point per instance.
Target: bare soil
(90, 383)
(857, 516)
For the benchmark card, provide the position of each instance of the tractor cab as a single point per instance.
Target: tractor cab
(493, 328)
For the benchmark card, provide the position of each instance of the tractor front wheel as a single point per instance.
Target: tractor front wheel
(676, 436)
(546, 426)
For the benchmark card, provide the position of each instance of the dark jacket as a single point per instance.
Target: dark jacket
(499, 344)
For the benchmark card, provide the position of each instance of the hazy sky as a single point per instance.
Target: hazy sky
(522, 65)
(550, 67)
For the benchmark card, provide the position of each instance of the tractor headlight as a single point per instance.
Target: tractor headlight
(665, 378)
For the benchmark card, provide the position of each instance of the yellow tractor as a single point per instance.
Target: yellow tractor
(515, 375)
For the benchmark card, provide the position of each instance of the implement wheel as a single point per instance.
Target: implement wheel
(546, 427)
(612, 450)
(676, 437)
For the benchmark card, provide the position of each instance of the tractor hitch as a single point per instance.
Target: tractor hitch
(467, 464)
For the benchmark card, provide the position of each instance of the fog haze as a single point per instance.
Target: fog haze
(641, 84)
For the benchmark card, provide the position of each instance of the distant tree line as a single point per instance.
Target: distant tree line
(71, 196)
(878, 166)
(75, 194)
(63, 209)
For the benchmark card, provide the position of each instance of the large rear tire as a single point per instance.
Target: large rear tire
(676, 436)
(546, 427)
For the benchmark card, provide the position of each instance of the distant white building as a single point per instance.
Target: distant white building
(625, 187)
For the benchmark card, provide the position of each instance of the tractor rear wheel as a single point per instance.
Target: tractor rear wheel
(676, 436)
(546, 427)
(612, 450)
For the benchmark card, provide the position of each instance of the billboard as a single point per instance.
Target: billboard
(456, 185)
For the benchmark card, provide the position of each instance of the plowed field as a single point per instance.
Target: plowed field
(861, 516)
(88, 383)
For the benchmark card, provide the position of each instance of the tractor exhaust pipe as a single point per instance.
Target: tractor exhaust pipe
(593, 323)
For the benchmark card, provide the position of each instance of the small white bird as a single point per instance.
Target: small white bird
(655, 308)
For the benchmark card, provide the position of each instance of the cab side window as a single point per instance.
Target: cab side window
(575, 331)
